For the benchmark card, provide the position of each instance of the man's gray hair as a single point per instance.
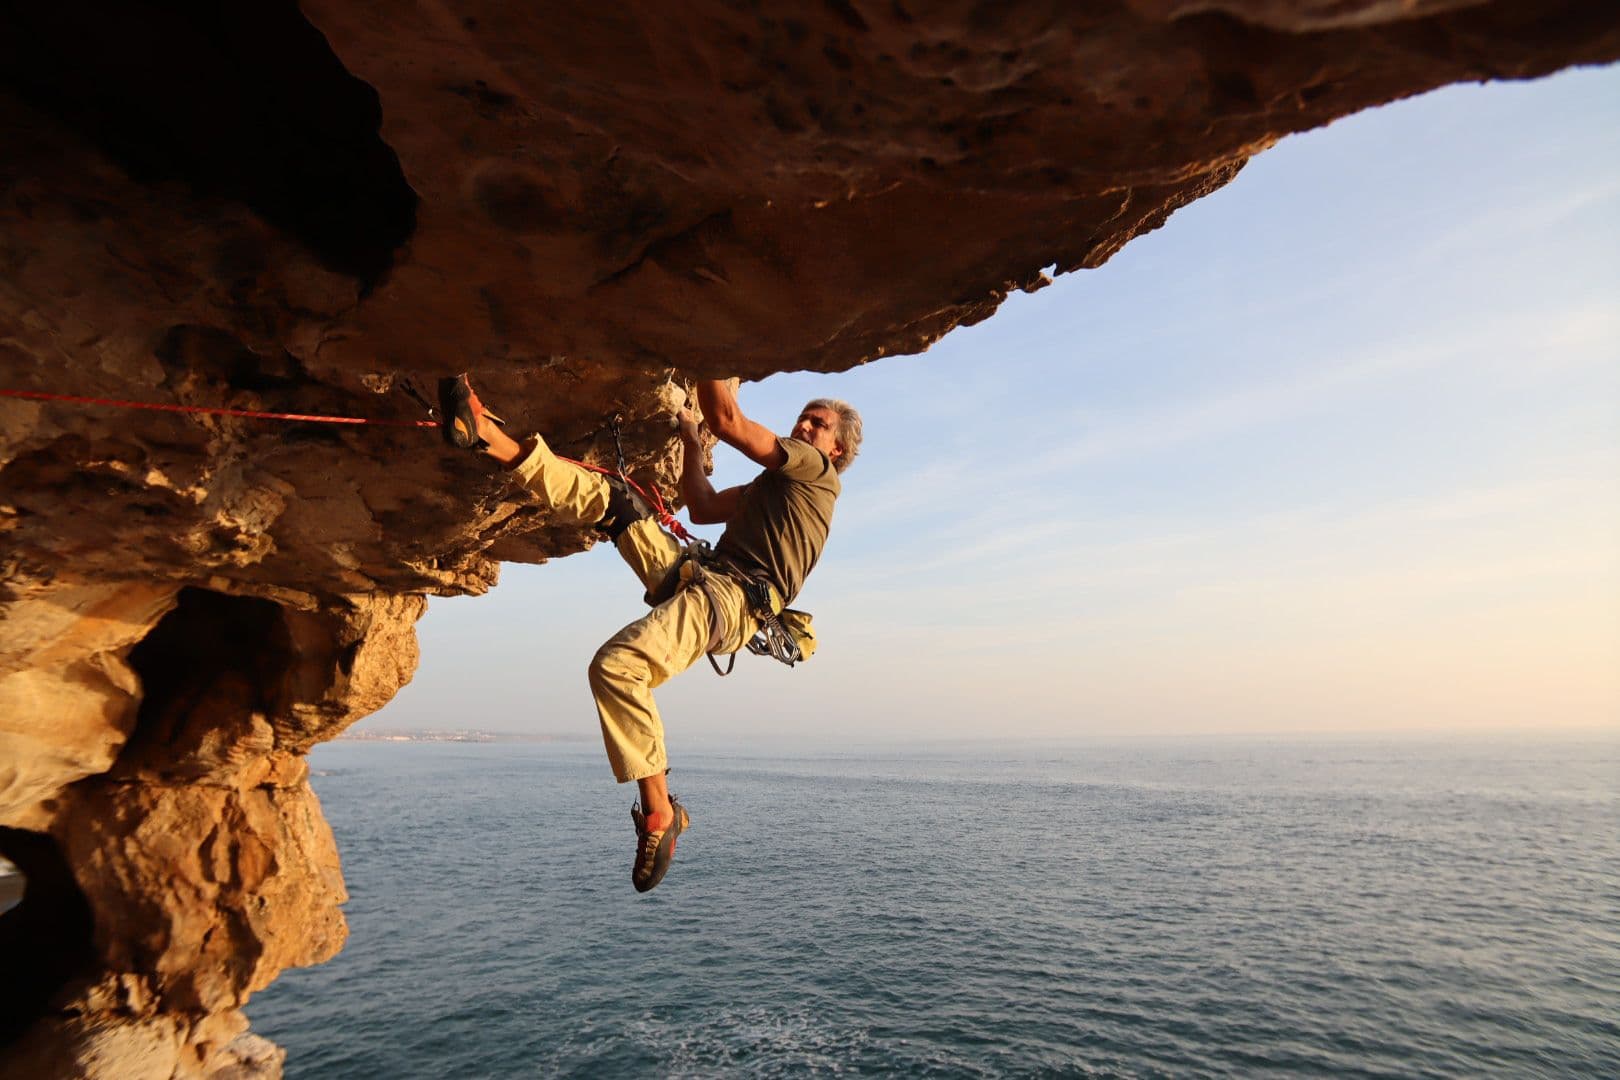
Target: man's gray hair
(849, 428)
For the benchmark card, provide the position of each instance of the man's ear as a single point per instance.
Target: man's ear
(838, 452)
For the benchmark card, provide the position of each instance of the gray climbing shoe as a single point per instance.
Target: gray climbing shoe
(655, 849)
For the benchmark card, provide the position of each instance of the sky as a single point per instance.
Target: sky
(1337, 451)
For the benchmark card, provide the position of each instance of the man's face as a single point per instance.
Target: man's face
(818, 426)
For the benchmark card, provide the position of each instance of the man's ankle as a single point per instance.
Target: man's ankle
(660, 818)
(500, 446)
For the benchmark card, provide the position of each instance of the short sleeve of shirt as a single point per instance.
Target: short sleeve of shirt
(804, 462)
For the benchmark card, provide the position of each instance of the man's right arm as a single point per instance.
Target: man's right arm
(704, 505)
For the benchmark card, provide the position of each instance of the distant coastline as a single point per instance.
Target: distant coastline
(459, 735)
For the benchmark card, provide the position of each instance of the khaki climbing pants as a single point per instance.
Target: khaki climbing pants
(710, 616)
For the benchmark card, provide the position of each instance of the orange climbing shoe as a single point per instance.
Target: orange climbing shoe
(655, 849)
(459, 410)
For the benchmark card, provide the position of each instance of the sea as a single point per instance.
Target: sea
(1238, 907)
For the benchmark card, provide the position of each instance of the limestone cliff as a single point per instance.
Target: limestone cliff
(302, 207)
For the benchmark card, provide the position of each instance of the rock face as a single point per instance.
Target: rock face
(303, 208)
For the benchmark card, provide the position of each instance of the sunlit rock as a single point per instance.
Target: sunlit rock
(309, 208)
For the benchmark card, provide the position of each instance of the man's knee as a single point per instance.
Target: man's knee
(614, 666)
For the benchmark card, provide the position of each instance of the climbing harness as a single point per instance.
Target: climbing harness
(784, 634)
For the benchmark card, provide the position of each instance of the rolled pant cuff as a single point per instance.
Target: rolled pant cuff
(534, 458)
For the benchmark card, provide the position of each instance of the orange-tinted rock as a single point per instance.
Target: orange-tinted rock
(300, 208)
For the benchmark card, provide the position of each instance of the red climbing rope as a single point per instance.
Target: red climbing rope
(654, 498)
(36, 395)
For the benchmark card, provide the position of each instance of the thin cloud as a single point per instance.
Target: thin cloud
(1506, 339)
(1533, 218)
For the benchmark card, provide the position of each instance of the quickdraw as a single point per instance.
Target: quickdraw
(773, 639)
(653, 498)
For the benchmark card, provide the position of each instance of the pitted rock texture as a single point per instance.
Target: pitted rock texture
(305, 207)
(169, 881)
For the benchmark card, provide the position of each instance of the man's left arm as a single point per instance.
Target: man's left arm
(718, 399)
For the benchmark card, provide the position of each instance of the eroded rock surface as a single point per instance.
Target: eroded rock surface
(301, 208)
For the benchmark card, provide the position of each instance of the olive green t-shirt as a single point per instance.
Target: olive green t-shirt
(781, 524)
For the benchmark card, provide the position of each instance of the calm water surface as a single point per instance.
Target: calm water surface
(1124, 908)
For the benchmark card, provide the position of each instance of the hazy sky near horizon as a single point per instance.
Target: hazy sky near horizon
(1336, 450)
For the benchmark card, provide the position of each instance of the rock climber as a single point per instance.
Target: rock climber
(704, 602)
